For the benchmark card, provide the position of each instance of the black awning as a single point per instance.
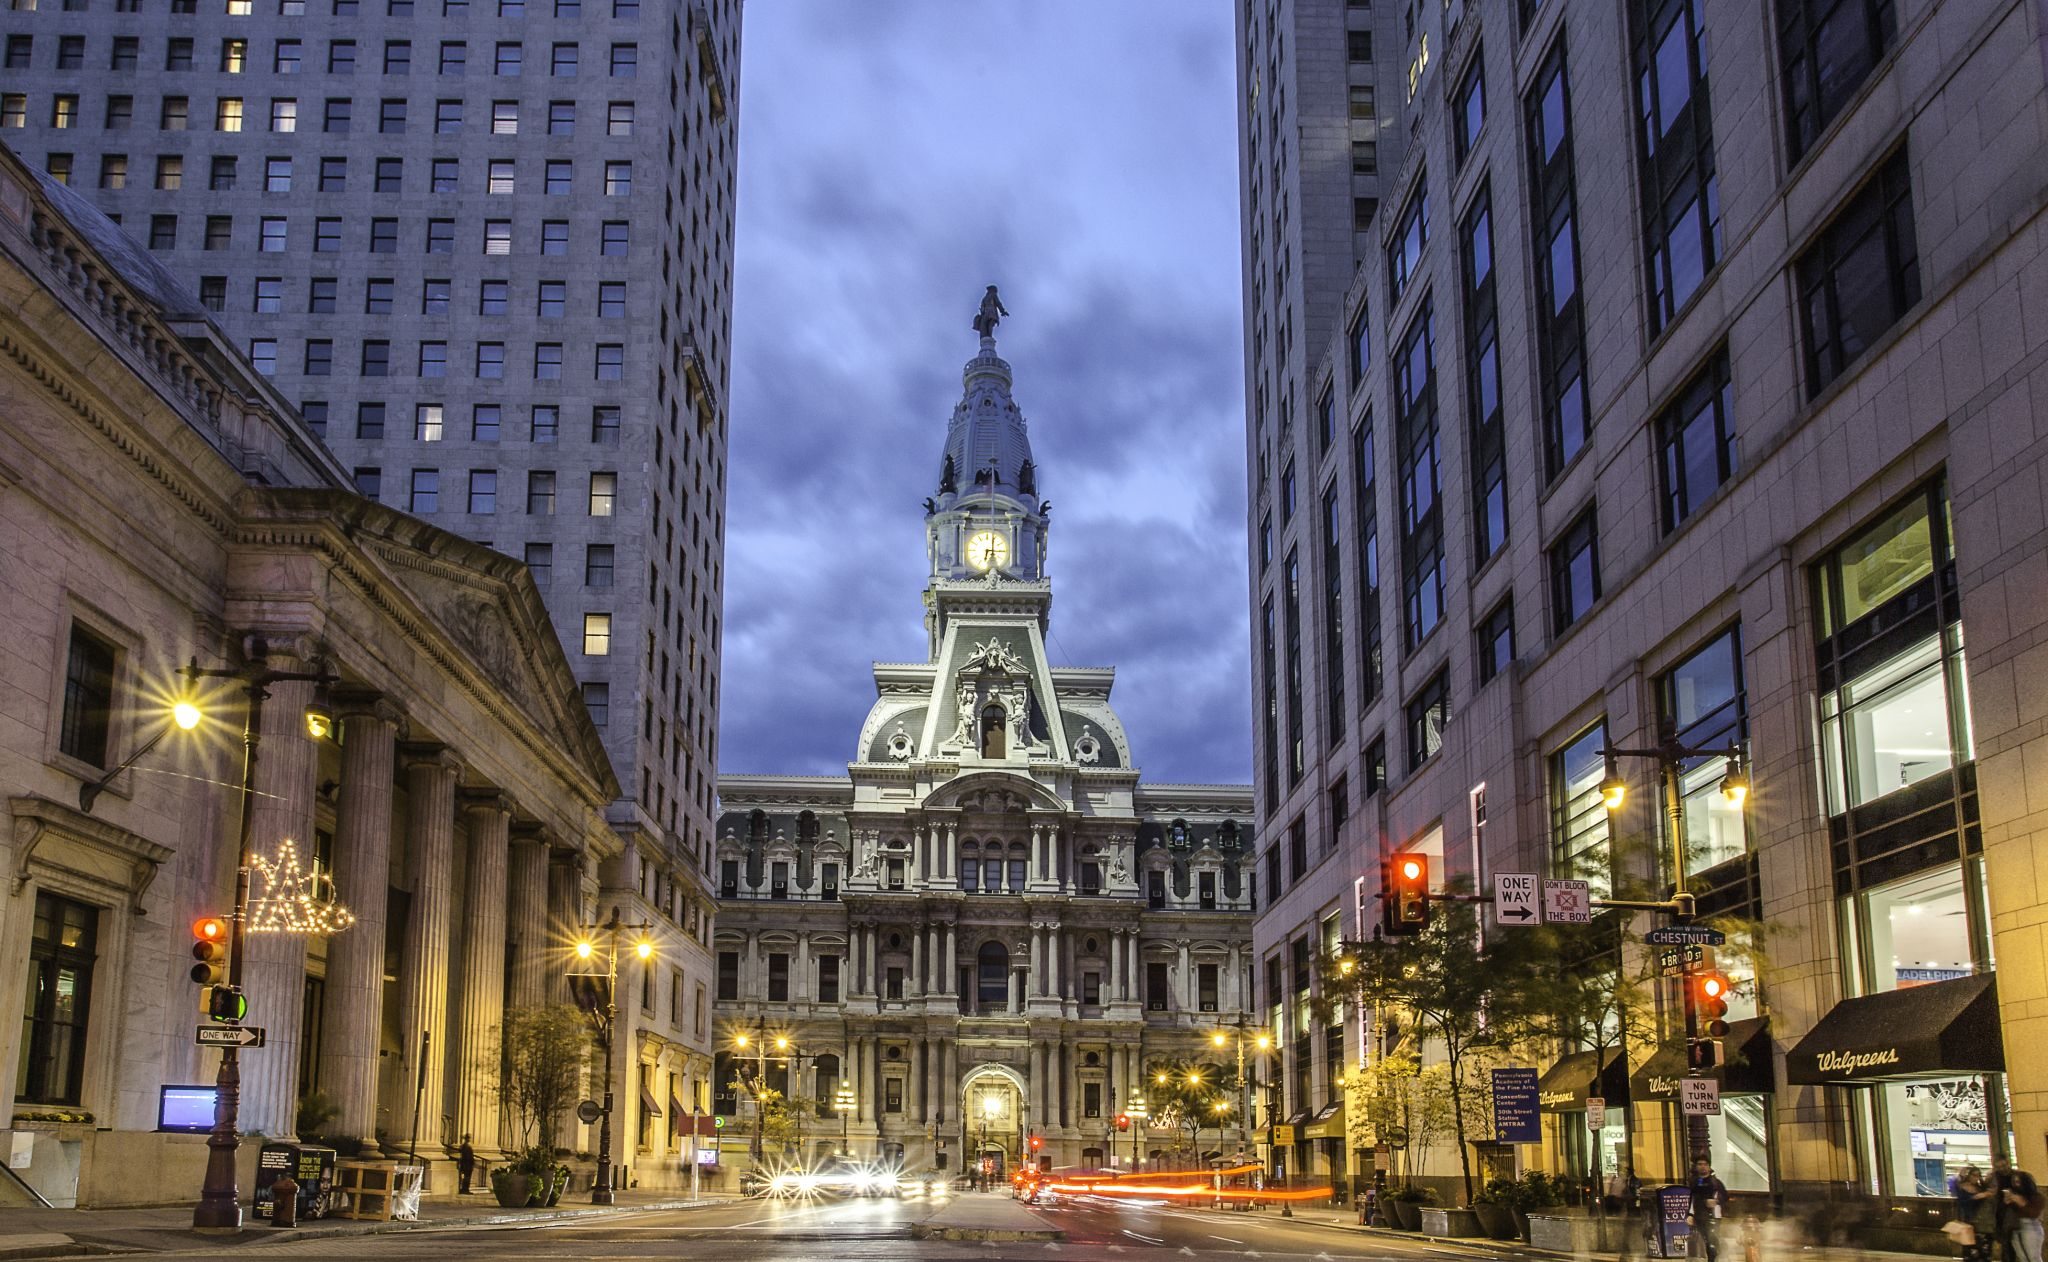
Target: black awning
(648, 1108)
(1300, 1119)
(1747, 1071)
(1563, 1087)
(1941, 1027)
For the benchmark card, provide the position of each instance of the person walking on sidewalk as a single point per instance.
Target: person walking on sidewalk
(465, 1163)
(2015, 1212)
(1709, 1202)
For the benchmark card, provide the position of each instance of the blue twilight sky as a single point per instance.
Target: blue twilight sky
(895, 157)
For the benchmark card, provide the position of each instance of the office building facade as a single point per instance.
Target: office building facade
(1685, 390)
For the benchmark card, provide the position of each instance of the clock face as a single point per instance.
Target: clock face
(987, 550)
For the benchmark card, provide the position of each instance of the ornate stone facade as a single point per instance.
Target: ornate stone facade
(160, 503)
(988, 927)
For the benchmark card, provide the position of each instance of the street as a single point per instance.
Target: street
(853, 1231)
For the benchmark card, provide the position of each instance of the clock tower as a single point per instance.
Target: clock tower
(985, 528)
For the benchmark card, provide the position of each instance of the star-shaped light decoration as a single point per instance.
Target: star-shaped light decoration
(293, 900)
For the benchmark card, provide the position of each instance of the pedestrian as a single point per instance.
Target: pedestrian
(1963, 1230)
(2015, 1212)
(465, 1163)
(1703, 1214)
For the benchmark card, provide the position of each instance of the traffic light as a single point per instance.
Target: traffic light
(210, 949)
(1036, 1143)
(1123, 1121)
(226, 1003)
(1404, 895)
(1710, 1002)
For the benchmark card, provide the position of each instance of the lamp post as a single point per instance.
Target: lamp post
(219, 1210)
(604, 1012)
(843, 1101)
(1670, 755)
(760, 1046)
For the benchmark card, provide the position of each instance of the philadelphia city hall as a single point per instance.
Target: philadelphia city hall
(986, 930)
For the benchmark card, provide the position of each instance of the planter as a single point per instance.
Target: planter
(1447, 1222)
(1521, 1222)
(1406, 1215)
(1497, 1221)
(511, 1190)
(560, 1184)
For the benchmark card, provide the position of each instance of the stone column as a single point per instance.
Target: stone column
(1116, 965)
(477, 1112)
(354, 1017)
(564, 919)
(919, 1068)
(952, 961)
(526, 909)
(430, 776)
(274, 964)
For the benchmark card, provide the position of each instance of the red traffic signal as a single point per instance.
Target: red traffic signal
(1123, 1121)
(1404, 894)
(1036, 1143)
(210, 948)
(1710, 1002)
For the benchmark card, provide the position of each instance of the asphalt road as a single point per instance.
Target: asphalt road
(874, 1231)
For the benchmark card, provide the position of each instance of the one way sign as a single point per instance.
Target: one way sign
(229, 1036)
(1514, 898)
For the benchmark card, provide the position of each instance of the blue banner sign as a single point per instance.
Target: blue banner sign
(1674, 1233)
(1515, 1120)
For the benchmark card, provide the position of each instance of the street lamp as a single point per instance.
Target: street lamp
(184, 716)
(1670, 755)
(219, 1210)
(1263, 1042)
(604, 1011)
(845, 1103)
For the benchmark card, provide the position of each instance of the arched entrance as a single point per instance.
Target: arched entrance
(992, 1108)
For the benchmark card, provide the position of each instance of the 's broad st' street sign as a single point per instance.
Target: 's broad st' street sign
(228, 1036)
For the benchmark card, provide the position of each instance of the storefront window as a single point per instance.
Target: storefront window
(1896, 725)
(1917, 931)
(1740, 1140)
(1578, 818)
(1928, 1129)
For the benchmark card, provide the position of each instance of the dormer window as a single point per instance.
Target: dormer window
(895, 874)
(778, 880)
(1155, 889)
(1091, 878)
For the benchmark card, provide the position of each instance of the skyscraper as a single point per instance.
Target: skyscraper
(1316, 143)
(1677, 395)
(486, 247)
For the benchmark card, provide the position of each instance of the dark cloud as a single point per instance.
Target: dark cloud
(896, 156)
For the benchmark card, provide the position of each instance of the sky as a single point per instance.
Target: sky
(896, 156)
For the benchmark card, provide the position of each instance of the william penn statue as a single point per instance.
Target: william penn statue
(991, 313)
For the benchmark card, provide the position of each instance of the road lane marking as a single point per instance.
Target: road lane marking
(1147, 1239)
(1226, 1239)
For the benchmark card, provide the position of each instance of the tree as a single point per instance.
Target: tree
(1466, 995)
(780, 1121)
(1185, 1095)
(547, 1057)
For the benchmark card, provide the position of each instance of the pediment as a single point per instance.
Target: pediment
(473, 612)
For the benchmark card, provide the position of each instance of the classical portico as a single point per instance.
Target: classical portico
(990, 904)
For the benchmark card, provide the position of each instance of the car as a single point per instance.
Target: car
(926, 1183)
(754, 1183)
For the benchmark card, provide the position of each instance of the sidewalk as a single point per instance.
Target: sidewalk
(54, 1233)
(1347, 1218)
